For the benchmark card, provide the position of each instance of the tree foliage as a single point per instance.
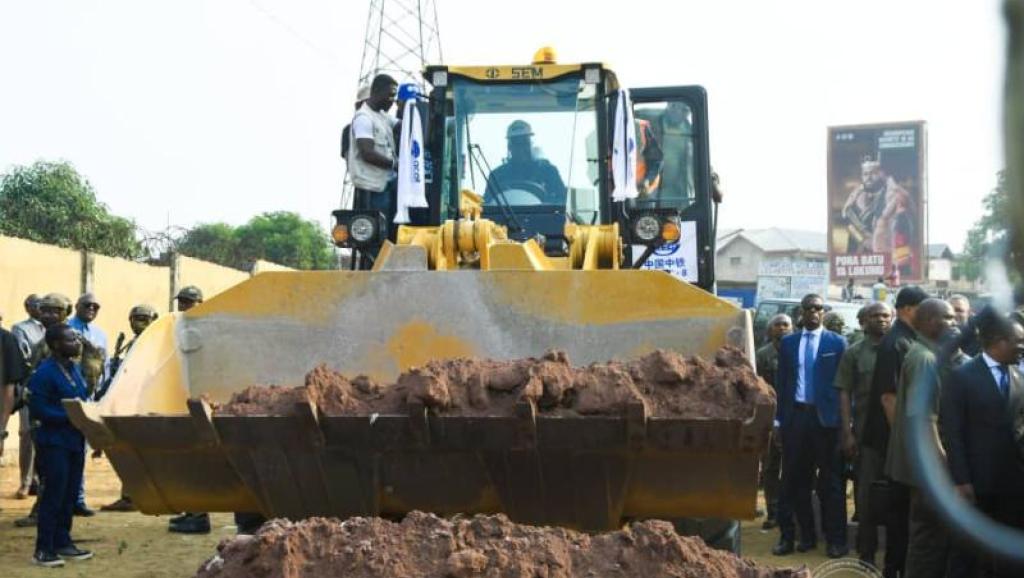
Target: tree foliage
(214, 242)
(282, 237)
(49, 202)
(989, 237)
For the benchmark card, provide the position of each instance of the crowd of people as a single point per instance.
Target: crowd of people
(59, 352)
(843, 412)
(842, 416)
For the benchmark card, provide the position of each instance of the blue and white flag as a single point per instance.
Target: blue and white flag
(624, 151)
(411, 183)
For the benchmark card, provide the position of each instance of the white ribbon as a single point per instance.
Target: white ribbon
(624, 151)
(411, 184)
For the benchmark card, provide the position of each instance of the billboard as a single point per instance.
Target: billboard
(877, 193)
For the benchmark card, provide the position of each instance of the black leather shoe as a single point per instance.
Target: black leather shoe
(180, 518)
(83, 511)
(769, 524)
(836, 551)
(783, 548)
(806, 546)
(194, 524)
(73, 552)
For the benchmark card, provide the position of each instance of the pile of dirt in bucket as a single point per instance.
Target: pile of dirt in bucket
(667, 383)
(426, 546)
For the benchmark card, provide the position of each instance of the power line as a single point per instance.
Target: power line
(329, 55)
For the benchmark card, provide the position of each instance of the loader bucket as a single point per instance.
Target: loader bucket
(173, 454)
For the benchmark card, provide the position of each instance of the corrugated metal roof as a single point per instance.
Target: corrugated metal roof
(776, 240)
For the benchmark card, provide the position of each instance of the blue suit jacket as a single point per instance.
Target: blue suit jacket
(825, 395)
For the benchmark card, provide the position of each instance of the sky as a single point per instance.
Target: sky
(198, 111)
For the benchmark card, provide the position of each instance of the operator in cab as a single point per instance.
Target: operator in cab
(521, 170)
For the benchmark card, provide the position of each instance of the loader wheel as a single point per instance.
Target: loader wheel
(717, 533)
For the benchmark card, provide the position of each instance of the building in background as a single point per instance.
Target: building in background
(742, 253)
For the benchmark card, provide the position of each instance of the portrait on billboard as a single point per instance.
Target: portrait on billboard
(876, 201)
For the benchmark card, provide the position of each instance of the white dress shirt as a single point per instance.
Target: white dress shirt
(815, 337)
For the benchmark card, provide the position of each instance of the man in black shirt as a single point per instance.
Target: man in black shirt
(881, 405)
(12, 372)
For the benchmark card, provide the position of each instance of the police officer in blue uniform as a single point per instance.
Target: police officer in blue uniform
(60, 448)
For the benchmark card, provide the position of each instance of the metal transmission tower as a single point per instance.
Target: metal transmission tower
(402, 37)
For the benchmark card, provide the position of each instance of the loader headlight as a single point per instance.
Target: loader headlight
(358, 228)
(652, 227)
(362, 229)
(646, 228)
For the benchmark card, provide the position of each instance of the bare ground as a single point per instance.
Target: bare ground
(137, 545)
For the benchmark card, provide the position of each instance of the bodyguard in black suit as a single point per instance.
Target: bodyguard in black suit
(808, 416)
(977, 414)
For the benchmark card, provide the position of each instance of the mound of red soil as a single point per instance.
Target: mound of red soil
(667, 383)
(426, 546)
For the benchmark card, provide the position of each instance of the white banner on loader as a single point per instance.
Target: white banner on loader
(624, 150)
(411, 184)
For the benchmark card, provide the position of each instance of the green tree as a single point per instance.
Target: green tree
(281, 237)
(285, 238)
(49, 202)
(213, 242)
(990, 234)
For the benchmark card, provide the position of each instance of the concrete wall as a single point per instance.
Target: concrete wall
(119, 284)
(210, 278)
(27, 267)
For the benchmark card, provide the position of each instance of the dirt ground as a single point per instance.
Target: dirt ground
(136, 545)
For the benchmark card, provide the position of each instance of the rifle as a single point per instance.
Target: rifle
(115, 363)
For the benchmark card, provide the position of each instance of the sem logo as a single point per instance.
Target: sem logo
(666, 249)
(415, 149)
(493, 73)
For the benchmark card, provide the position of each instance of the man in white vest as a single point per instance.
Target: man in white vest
(374, 159)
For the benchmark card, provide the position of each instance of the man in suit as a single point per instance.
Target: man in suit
(978, 408)
(808, 416)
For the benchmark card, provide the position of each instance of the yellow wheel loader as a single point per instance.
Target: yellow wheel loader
(523, 248)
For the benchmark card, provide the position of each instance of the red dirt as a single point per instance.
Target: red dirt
(667, 383)
(426, 546)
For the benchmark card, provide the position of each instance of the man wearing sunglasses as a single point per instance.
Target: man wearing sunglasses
(808, 416)
(93, 362)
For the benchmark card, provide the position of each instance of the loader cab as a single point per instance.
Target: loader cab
(528, 139)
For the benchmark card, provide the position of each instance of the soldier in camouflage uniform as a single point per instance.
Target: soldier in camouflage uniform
(139, 318)
(189, 522)
(767, 361)
(853, 379)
